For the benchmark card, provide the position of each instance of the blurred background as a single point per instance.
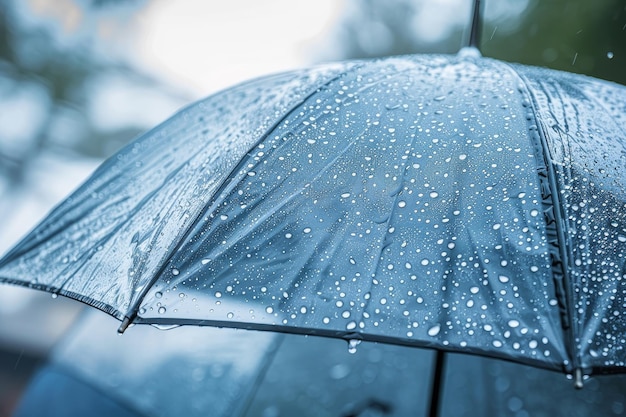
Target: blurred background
(80, 78)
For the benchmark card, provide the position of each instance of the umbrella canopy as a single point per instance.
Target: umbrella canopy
(453, 202)
(196, 372)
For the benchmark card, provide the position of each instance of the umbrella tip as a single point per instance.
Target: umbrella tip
(124, 325)
(476, 27)
(578, 378)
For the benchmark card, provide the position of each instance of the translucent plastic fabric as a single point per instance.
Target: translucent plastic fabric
(458, 203)
(197, 372)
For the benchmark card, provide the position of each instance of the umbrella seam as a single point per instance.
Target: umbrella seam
(134, 308)
(555, 223)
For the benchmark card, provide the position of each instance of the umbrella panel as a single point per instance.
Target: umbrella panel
(222, 372)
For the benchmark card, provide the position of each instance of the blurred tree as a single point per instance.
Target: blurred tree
(573, 35)
(587, 37)
(44, 86)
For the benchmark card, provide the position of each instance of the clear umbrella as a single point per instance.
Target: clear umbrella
(197, 372)
(452, 202)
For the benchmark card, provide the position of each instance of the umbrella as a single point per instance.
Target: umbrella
(452, 202)
(196, 371)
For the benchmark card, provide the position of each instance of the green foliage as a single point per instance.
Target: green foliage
(587, 37)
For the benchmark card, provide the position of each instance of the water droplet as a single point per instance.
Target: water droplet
(175, 272)
(307, 230)
(474, 290)
(352, 344)
(162, 310)
(230, 315)
(351, 325)
(425, 262)
(158, 294)
(496, 226)
(609, 55)
(621, 238)
(205, 261)
(269, 310)
(218, 294)
(513, 323)
(534, 213)
(434, 194)
(434, 331)
(345, 195)
(503, 279)
(497, 343)
(338, 371)
(533, 344)
(224, 217)
(401, 204)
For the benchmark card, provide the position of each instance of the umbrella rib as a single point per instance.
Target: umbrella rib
(132, 312)
(555, 224)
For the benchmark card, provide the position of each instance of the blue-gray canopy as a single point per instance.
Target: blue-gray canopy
(452, 202)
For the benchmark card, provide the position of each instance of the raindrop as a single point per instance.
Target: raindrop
(496, 226)
(351, 325)
(269, 310)
(532, 344)
(434, 331)
(497, 343)
(158, 294)
(513, 323)
(339, 371)
(205, 261)
(230, 315)
(534, 213)
(474, 290)
(288, 235)
(621, 238)
(224, 217)
(175, 272)
(307, 230)
(434, 194)
(503, 279)
(345, 195)
(352, 344)
(425, 262)
(402, 204)
(218, 294)
(162, 310)
(609, 55)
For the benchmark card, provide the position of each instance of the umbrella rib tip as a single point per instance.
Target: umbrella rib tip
(125, 323)
(578, 378)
